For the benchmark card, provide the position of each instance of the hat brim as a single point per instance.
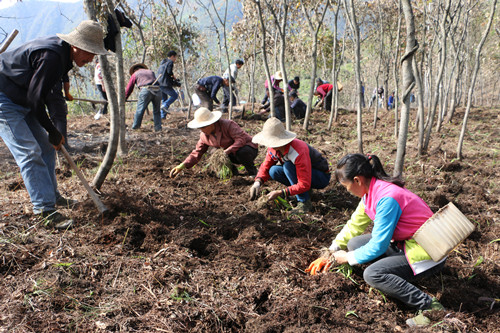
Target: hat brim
(97, 50)
(134, 67)
(216, 115)
(273, 141)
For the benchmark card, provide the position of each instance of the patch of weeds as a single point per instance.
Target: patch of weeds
(346, 271)
(180, 295)
(479, 261)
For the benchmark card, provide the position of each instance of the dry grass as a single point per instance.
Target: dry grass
(220, 164)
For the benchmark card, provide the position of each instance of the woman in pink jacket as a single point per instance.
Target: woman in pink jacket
(220, 133)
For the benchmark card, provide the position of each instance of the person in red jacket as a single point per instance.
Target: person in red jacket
(325, 92)
(220, 133)
(291, 162)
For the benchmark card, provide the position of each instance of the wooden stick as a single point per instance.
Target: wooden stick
(96, 101)
(9, 40)
(100, 206)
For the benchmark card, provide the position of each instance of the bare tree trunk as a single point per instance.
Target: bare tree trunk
(337, 71)
(314, 54)
(178, 33)
(223, 23)
(408, 84)
(334, 64)
(395, 72)
(420, 101)
(264, 56)
(381, 54)
(473, 80)
(351, 17)
(432, 111)
(114, 132)
(281, 28)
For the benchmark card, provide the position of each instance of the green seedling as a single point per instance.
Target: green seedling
(225, 172)
(351, 313)
(205, 223)
(180, 295)
(381, 293)
(479, 261)
(346, 271)
(283, 202)
(495, 240)
(63, 264)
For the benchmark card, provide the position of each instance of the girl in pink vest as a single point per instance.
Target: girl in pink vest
(395, 259)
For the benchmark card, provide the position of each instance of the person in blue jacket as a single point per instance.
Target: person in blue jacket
(207, 89)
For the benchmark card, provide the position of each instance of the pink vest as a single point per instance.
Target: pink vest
(414, 210)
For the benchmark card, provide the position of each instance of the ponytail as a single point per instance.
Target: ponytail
(368, 166)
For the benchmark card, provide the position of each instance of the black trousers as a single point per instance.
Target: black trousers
(246, 156)
(205, 99)
(225, 101)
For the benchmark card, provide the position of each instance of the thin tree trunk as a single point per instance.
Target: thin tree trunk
(395, 73)
(473, 80)
(351, 17)
(432, 111)
(334, 63)
(264, 56)
(314, 55)
(408, 84)
(114, 131)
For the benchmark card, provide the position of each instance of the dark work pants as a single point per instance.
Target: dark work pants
(58, 110)
(246, 156)
(103, 94)
(225, 101)
(205, 99)
(328, 101)
(391, 274)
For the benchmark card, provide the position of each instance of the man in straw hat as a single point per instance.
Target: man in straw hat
(220, 133)
(301, 167)
(27, 74)
(145, 80)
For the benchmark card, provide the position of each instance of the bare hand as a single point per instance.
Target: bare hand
(340, 257)
(273, 195)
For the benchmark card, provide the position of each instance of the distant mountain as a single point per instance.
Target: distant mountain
(39, 18)
(36, 18)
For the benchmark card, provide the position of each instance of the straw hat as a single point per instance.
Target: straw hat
(204, 117)
(278, 75)
(274, 134)
(87, 36)
(137, 66)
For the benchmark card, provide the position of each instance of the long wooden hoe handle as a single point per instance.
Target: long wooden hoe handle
(100, 206)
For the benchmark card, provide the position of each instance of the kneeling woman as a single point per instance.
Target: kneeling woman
(292, 162)
(397, 214)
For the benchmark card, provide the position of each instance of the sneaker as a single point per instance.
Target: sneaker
(54, 219)
(421, 320)
(302, 207)
(65, 202)
(98, 115)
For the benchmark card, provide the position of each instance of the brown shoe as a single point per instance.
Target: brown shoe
(54, 219)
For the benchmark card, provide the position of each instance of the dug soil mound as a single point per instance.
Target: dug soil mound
(192, 254)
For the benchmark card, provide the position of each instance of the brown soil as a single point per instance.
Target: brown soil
(191, 254)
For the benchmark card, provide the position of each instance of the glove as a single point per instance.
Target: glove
(175, 171)
(254, 190)
(319, 265)
(56, 139)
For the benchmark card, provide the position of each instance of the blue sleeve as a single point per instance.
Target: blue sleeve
(386, 218)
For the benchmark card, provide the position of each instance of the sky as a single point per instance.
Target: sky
(8, 3)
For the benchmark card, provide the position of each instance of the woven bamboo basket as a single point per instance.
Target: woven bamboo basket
(443, 231)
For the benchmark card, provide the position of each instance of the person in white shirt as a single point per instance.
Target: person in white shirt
(233, 72)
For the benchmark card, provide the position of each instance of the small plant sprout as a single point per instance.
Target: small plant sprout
(351, 313)
(346, 271)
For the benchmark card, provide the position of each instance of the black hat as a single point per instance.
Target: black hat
(297, 79)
